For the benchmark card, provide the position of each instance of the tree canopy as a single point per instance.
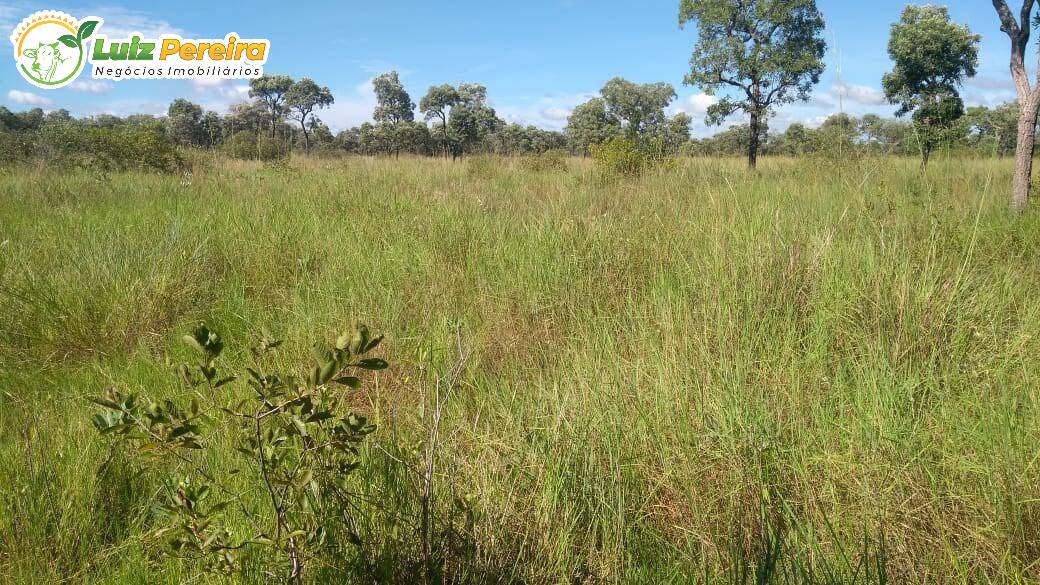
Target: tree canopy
(932, 56)
(756, 54)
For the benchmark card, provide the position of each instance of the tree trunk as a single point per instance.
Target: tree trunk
(753, 140)
(1021, 182)
(306, 137)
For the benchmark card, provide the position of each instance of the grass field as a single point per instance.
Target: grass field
(820, 372)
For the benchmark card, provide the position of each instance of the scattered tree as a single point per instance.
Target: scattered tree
(436, 105)
(302, 99)
(1028, 98)
(762, 53)
(271, 90)
(637, 108)
(590, 124)
(932, 57)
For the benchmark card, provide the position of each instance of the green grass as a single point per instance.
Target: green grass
(814, 373)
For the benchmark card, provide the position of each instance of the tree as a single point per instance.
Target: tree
(271, 90)
(1028, 98)
(393, 106)
(932, 57)
(676, 132)
(638, 109)
(184, 123)
(590, 124)
(302, 99)
(471, 121)
(436, 105)
(245, 116)
(761, 53)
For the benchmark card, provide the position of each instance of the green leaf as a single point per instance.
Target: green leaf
(327, 372)
(350, 381)
(373, 364)
(319, 416)
(69, 41)
(227, 380)
(106, 403)
(86, 29)
(373, 344)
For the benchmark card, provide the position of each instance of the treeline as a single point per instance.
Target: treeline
(453, 121)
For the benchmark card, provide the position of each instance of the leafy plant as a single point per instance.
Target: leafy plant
(627, 157)
(296, 438)
(83, 33)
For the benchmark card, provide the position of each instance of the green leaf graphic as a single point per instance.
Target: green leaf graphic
(69, 41)
(86, 29)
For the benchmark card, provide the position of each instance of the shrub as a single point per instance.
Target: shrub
(296, 438)
(118, 148)
(246, 145)
(550, 160)
(625, 157)
(14, 147)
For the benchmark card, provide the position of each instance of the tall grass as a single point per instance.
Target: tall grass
(818, 372)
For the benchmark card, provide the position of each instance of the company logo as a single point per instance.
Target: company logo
(50, 47)
(51, 50)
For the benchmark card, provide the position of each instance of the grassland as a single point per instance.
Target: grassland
(820, 372)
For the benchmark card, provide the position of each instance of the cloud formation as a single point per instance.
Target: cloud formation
(91, 86)
(858, 94)
(27, 98)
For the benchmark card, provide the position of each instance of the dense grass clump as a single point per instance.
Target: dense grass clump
(813, 373)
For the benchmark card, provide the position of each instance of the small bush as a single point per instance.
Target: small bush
(295, 438)
(552, 160)
(625, 157)
(246, 145)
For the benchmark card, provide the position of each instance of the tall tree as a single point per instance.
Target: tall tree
(932, 57)
(271, 90)
(393, 106)
(1028, 98)
(436, 105)
(676, 133)
(759, 53)
(590, 124)
(471, 120)
(638, 108)
(302, 99)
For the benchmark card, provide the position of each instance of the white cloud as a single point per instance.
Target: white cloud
(121, 22)
(91, 86)
(556, 113)
(549, 111)
(230, 90)
(859, 94)
(991, 83)
(27, 98)
(351, 109)
(695, 105)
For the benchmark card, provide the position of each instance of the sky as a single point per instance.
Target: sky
(538, 58)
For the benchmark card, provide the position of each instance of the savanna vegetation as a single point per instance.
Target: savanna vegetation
(615, 353)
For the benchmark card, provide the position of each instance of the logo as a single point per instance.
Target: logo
(50, 47)
(50, 51)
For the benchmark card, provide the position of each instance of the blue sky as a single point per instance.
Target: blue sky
(538, 58)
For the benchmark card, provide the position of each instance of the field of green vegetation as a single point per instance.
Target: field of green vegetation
(820, 372)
